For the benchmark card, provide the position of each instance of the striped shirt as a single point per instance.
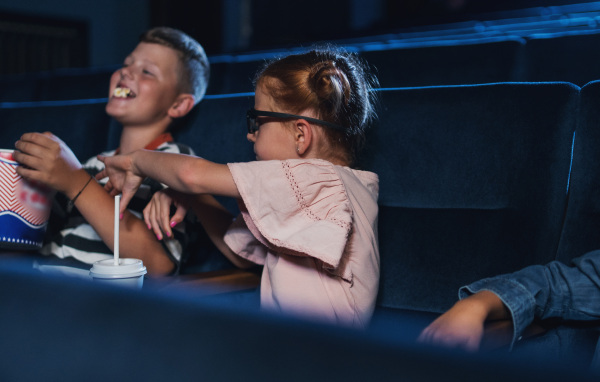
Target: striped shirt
(70, 236)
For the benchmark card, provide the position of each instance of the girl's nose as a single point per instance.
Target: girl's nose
(251, 137)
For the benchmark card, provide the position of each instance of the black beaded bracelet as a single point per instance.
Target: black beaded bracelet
(72, 201)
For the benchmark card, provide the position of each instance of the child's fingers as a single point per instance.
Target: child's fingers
(178, 216)
(150, 216)
(146, 214)
(28, 174)
(163, 209)
(108, 187)
(156, 225)
(101, 175)
(38, 139)
(26, 150)
(152, 219)
(125, 199)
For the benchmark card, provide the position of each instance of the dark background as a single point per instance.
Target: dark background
(38, 35)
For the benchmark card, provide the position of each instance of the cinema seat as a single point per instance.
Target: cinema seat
(82, 124)
(473, 183)
(71, 84)
(582, 221)
(14, 88)
(216, 128)
(68, 330)
(449, 63)
(569, 57)
(57, 85)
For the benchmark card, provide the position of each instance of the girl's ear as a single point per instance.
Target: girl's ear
(303, 136)
(182, 105)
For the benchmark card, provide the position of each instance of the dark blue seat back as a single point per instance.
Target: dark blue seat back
(58, 85)
(68, 330)
(74, 84)
(473, 183)
(448, 64)
(582, 221)
(572, 58)
(82, 125)
(216, 128)
(18, 88)
(233, 76)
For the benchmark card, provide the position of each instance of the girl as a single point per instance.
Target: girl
(306, 215)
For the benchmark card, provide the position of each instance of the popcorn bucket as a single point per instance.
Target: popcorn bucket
(24, 207)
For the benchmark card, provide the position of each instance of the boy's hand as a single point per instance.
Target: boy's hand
(462, 326)
(122, 178)
(156, 213)
(47, 159)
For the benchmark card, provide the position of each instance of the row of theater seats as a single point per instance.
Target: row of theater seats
(475, 181)
(470, 59)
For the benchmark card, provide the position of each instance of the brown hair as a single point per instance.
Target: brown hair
(195, 67)
(334, 83)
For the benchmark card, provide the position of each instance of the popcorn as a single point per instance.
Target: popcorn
(123, 93)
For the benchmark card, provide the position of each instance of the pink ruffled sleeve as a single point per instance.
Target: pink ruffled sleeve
(242, 242)
(297, 207)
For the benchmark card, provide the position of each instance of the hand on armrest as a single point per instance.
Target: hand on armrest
(462, 325)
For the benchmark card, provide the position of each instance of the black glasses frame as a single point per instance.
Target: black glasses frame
(252, 113)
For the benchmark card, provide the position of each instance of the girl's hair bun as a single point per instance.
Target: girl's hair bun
(331, 85)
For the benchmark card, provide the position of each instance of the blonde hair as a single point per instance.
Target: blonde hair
(194, 63)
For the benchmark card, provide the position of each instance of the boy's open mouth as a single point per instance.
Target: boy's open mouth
(120, 92)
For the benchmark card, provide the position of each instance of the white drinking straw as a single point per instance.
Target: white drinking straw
(116, 243)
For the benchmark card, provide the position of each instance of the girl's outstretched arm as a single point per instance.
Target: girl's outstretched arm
(183, 173)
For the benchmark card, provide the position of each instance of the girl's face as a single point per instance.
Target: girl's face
(274, 140)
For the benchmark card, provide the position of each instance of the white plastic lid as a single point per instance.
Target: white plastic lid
(106, 269)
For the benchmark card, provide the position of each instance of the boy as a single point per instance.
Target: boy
(161, 80)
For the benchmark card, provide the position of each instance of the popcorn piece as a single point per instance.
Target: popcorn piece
(123, 93)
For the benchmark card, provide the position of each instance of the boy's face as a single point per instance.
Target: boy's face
(147, 86)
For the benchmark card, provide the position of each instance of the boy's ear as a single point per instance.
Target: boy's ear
(182, 105)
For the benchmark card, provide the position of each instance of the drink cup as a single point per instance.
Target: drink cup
(24, 207)
(128, 273)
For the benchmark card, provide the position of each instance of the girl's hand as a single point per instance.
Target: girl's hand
(123, 177)
(47, 159)
(156, 213)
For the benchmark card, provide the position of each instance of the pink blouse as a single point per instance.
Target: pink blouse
(313, 226)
